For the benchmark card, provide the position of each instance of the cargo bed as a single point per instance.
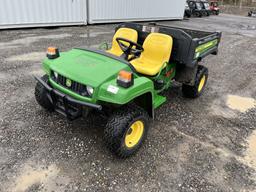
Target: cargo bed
(189, 45)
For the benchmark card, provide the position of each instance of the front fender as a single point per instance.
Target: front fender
(110, 92)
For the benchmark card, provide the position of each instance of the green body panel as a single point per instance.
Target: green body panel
(86, 67)
(204, 47)
(98, 71)
(165, 75)
(158, 101)
(101, 73)
(141, 86)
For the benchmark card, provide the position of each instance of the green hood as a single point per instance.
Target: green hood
(86, 67)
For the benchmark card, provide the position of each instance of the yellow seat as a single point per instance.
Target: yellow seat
(126, 33)
(157, 51)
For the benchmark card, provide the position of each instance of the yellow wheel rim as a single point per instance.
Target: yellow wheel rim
(201, 84)
(134, 134)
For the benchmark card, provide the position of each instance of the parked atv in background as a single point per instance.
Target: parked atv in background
(196, 8)
(125, 82)
(187, 12)
(252, 13)
(214, 7)
(206, 8)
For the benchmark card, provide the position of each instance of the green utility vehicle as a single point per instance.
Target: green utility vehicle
(126, 82)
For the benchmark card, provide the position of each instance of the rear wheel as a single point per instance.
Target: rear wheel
(126, 130)
(199, 86)
(41, 95)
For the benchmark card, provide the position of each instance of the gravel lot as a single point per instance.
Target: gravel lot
(206, 144)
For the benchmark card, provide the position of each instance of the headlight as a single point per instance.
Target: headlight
(89, 90)
(55, 74)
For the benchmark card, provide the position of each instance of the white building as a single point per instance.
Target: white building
(36, 13)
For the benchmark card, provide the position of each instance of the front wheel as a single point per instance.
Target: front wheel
(126, 130)
(199, 86)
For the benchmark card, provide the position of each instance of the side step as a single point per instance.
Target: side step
(158, 101)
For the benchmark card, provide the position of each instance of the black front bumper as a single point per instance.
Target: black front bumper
(64, 104)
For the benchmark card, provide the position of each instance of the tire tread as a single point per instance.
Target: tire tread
(192, 91)
(116, 128)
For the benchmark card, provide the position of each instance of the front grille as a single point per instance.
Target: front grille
(70, 84)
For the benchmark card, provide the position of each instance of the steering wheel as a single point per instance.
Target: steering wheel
(131, 49)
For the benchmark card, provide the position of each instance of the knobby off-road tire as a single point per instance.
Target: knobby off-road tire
(41, 95)
(121, 126)
(199, 86)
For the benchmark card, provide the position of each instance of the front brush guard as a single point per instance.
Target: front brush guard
(64, 104)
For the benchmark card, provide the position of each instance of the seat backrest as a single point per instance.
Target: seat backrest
(126, 33)
(157, 48)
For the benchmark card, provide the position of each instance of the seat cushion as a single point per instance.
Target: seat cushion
(157, 52)
(125, 33)
(146, 66)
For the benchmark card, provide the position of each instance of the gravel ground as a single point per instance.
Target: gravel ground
(206, 144)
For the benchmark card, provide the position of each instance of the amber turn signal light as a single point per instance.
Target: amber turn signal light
(52, 53)
(125, 79)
